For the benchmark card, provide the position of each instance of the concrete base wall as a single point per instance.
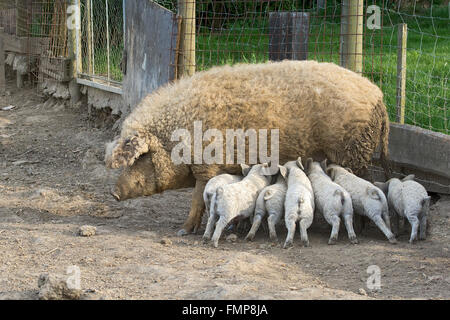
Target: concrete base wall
(422, 152)
(100, 99)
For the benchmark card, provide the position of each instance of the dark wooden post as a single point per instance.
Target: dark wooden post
(186, 59)
(288, 35)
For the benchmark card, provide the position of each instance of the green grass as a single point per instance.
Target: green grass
(428, 59)
(101, 63)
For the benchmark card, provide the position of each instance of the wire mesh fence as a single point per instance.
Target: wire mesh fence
(428, 61)
(230, 31)
(35, 36)
(102, 39)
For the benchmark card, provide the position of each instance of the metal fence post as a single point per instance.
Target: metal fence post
(186, 57)
(401, 72)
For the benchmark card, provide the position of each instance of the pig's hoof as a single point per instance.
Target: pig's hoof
(205, 240)
(354, 240)
(249, 237)
(288, 244)
(182, 233)
(332, 241)
(305, 243)
(393, 240)
(273, 238)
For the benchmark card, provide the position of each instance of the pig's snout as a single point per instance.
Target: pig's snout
(115, 194)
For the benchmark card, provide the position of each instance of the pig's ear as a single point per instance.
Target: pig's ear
(331, 172)
(165, 170)
(384, 186)
(308, 164)
(283, 171)
(411, 177)
(265, 170)
(323, 164)
(245, 169)
(299, 163)
(349, 170)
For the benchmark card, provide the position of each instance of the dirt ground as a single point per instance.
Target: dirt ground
(53, 180)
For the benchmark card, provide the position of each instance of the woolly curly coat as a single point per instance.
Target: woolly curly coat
(320, 109)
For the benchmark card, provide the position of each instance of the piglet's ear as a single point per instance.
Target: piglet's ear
(309, 162)
(382, 185)
(331, 173)
(323, 164)
(349, 170)
(266, 170)
(411, 177)
(283, 171)
(245, 169)
(299, 163)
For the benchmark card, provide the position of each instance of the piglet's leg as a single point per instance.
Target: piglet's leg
(255, 226)
(290, 225)
(305, 223)
(382, 226)
(348, 219)
(335, 222)
(194, 219)
(209, 227)
(423, 227)
(272, 221)
(220, 225)
(414, 227)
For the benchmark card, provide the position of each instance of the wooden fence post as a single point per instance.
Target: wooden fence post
(186, 57)
(75, 51)
(75, 38)
(288, 35)
(401, 71)
(355, 35)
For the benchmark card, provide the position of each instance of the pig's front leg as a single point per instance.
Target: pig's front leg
(194, 219)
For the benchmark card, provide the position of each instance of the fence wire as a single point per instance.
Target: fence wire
(102, 39)
(37, 42)
(230, 31)
(427, 63)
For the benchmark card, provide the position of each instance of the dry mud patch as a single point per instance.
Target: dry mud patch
(52, 181)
